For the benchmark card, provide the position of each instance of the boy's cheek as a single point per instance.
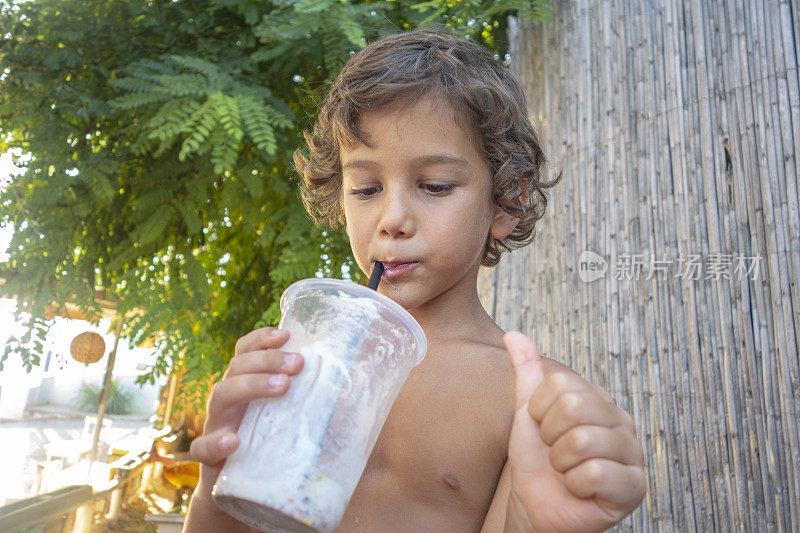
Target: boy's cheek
(360, 254)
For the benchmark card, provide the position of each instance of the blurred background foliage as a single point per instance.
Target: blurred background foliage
(159, 137)
(121, 400)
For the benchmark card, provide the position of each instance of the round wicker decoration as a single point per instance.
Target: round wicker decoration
(88, 347)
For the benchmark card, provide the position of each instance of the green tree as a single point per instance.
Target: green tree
(160, 135)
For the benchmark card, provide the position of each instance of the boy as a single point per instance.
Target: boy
(424, 154)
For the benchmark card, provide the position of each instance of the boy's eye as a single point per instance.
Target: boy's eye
(364, 192)
(437, 189)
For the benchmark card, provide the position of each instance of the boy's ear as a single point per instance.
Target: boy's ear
(502, 224)
(524, 196)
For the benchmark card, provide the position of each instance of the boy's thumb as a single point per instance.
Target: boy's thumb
(527, 365)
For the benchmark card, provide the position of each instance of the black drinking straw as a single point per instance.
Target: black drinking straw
(375, 277)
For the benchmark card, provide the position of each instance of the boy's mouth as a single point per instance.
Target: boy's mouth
(395, 269)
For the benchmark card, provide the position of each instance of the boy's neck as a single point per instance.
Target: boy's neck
(456, 313)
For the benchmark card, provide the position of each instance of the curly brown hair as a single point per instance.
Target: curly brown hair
(487, 101)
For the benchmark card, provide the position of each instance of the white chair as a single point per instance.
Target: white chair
(90, 422)
(70, 451)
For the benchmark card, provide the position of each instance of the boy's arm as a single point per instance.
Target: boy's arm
(496, 517)
(505, 516)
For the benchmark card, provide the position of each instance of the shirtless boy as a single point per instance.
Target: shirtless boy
(423, 152)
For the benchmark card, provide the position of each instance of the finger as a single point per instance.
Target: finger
(527, 365)
(238, 390)
(559, 383)
(614, 486)
(595, 442)
(574, 409)
(211, 449)
(261, 339)
(260, 361)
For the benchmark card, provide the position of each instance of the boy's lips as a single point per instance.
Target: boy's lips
(392, 269)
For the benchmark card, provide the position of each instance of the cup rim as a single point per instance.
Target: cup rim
(360, 290)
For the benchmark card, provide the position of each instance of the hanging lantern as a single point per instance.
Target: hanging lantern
(88, 347)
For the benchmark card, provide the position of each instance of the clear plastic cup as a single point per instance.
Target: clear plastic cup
(301, 454)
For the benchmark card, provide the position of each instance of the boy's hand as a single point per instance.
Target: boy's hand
(257, 370)
(574, 458)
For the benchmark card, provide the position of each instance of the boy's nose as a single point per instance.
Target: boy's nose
(397, 217)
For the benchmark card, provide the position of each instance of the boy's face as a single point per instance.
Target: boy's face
(419, 201)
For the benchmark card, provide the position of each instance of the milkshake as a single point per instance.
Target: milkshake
(301, 454)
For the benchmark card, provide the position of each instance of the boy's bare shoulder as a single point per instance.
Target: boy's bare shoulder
(489, 349)
(474, 370)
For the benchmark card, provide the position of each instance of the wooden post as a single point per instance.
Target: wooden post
(116, 503)
(84, 516)
(101, 408)
(173, 385)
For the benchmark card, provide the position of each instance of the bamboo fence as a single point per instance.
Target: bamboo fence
(677, 127)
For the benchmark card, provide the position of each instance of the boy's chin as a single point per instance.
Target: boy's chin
(405, 297)
(410, 296)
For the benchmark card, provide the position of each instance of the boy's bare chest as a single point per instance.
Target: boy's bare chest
(439, 456)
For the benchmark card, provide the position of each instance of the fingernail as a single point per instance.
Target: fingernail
(276, 331)
(277, 380)
(290, 360)
(227, 442)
